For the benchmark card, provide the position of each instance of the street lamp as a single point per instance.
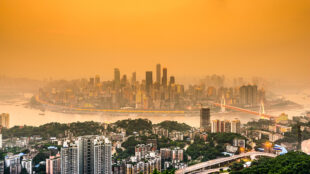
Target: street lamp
(268, 146)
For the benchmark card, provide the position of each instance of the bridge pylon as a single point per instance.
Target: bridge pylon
(262, 110)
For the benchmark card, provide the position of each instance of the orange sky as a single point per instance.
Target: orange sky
(75, 38)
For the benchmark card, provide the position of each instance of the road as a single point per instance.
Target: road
(201, 166)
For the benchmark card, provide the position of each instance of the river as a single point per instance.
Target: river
(20, 114)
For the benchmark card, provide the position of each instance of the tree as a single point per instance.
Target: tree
(40, 157)
(237, 166)
(23, 171)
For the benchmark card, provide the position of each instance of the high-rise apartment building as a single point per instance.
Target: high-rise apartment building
(69, 158)
(5, 120)
(14, 163)
(227, 126)
(158, 73)
(102, 156)
(53, 164)
(235, 126)
(216, 126)
(165, 153)
(205, 119)
(27, 164)
(177, 155)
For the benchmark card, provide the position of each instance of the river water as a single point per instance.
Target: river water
(20, 114)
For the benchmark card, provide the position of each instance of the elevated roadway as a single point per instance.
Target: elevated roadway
(204, 166)
(244, 110)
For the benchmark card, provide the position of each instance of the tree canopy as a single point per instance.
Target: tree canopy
(174, 126)
(290, 163)
(135, 125)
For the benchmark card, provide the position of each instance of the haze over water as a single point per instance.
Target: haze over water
(20, 115)
(76, 39)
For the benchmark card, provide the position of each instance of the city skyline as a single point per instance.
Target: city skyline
(257, 38)
(154, 87)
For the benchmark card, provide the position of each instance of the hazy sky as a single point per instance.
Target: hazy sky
(73, 38)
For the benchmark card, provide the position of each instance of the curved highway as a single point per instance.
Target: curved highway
(201, 166)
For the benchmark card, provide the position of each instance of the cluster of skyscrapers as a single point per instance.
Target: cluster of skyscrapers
(86, 155)
(159, 94)
(249, 95)
(155, 92)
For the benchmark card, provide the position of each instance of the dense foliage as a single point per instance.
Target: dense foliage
(130, 145)
(165, 142)
(172, 171)
(54, 130)
(203, 150)
(173, 125)
(291, 137)
(222, 138)
(213, 148)
(131, 142)
(135, 125)
(87, 128)
(40, 157)
(292, 162)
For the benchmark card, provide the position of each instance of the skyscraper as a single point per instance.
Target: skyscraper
(243, 95)
(124, 80)
(158, 73)
(97, 79)
(88, 152)
(91, 81)
(117, 77)
(248, 95)
(205, 119)
(102, 156)
(69, 158)
(96, 155)
(172, 80)
(134, 77)
(165, 76)
(148, 80)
